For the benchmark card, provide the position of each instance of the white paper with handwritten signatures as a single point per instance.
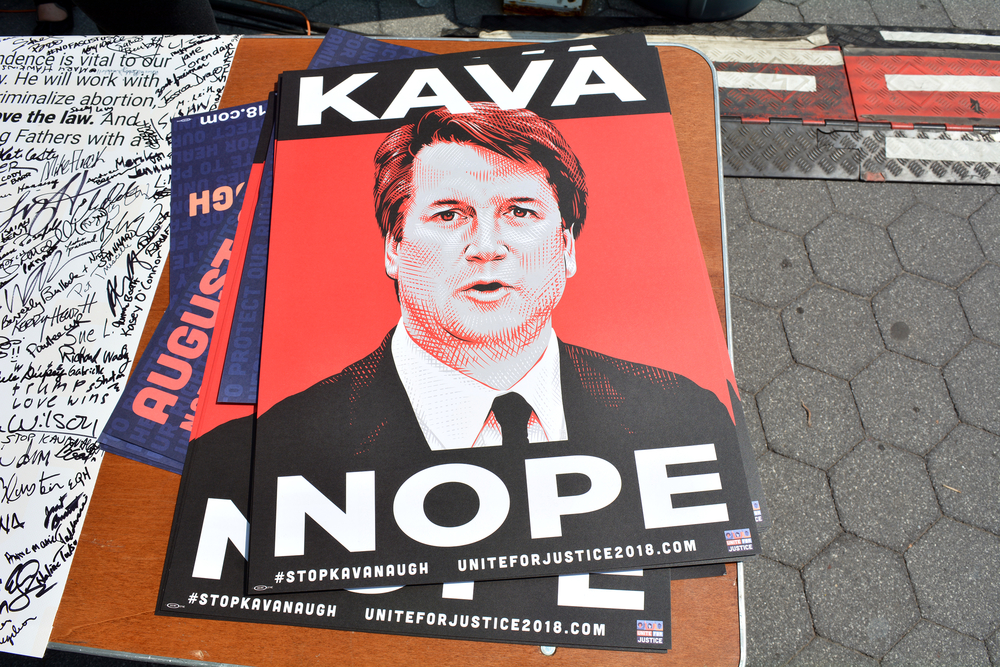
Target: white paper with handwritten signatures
(84, 211)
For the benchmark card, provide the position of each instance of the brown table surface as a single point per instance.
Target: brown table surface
(112, 587)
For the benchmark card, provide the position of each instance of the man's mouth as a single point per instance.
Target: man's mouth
(487, 287)
(488, 291)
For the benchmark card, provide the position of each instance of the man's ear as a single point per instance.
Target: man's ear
(569, 252)
(392, 255)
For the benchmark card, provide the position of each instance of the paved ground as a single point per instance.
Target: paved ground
(867, 336)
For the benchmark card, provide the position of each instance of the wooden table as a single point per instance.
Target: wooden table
(112, 587)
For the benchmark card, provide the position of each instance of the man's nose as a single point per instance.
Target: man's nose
(487, 242)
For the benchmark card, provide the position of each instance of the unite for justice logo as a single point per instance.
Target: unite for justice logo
(739, 540)
(649, 632)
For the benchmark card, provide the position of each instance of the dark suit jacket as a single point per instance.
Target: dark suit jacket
(365, 406)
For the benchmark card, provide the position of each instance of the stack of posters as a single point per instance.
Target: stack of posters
(213, 160)
(494, 400)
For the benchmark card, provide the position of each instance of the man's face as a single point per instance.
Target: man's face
(483, 257)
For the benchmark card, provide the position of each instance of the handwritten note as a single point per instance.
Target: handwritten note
(84, 210)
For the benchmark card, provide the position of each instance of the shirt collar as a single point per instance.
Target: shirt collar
(452, 408)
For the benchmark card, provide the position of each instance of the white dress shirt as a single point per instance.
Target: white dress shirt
(453, 410)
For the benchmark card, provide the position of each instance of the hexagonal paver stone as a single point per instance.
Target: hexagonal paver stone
(979, 299)
(761, 350)
(984, 223)
(767, 265)
(792, 2)
(773, 11)
(804, 519)
(965, 469)
(752, 417)
(852, 255)
(930, 642)
(832, 331)
(822, 651)
(778, 623)
(966, 14)
(339, 13)
(401, 21)
(778, 203)
(904, 402)
(860, 596)
(875, 203)
(810, 416)
(854, 12)
(957, 199)
(954, 572)
(925, 14)
(921, 319)
(736, 204)
(935, 244)
(883, 494)
(972, 379)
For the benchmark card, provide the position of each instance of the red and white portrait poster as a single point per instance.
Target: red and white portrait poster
(490, 345)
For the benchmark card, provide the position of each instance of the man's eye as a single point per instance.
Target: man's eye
(519, 212)
(447, 216)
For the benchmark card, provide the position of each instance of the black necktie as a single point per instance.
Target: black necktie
(512, 412)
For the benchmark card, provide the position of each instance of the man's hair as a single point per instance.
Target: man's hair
(518, 134)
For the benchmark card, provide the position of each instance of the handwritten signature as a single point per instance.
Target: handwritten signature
(15, 630)
(26, 578)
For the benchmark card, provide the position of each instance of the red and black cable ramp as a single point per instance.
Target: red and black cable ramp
(757, 84)
(788, 149)
(928, 154)
(775, 104)
(927, 115)
(883, 37)
(908, 87)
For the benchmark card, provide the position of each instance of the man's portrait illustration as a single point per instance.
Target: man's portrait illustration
(480, 247)
(480, 215)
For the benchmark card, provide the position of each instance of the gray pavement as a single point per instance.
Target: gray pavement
(867, 341)
(888, 311)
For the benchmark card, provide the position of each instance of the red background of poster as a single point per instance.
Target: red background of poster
(641, 291)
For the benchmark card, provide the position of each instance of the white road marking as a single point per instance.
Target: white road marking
(900, 148)
(766, 81)
(933, 83)
(939, 38)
